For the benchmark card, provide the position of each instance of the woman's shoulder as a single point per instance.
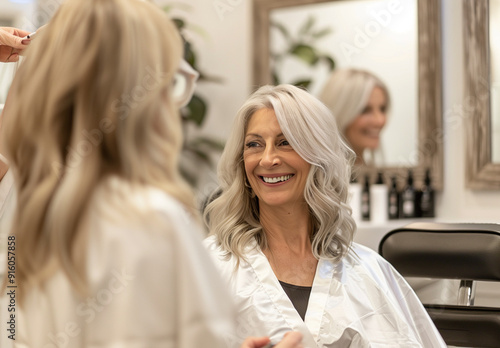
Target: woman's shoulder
(227, 263)
(365, 253)
(116, 196)
(367, 261)
(126, 214)
(141, 226)
(140, 196)
(210, 243)
(218, 255)
(367, 258)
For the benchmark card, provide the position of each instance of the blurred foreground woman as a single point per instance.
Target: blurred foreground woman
(107, 252)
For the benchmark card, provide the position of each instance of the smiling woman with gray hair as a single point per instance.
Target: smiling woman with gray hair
(282, 234)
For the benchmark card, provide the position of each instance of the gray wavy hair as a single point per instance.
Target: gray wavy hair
(307, 124)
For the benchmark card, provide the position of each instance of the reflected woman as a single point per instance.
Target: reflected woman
(360, 102)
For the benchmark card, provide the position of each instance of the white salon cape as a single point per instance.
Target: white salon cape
(152, 284)
(360, 302)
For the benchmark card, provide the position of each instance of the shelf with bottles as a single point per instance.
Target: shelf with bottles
(377, 201)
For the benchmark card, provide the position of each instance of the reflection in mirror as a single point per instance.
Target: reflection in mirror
(379, 36)
(400, 41)
(495, 79)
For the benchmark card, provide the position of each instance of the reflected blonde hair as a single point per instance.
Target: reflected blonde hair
(310, 128)
(91, 100)
(347, 91)
(346, 94)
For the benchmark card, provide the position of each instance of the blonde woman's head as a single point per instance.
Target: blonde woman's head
(92, 99)
(99, 78)
(360, 101)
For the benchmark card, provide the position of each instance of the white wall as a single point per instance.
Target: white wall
(228, 54)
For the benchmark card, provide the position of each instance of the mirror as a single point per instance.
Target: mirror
(390, 38)
(481, 115)
(494, 21)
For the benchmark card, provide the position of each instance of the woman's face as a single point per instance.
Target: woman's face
(277, 174)
(364, 131)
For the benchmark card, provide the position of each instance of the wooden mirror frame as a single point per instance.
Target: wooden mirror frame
(430, 125)
(481, 172)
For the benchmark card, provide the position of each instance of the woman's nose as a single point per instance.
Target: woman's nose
(270, 157)
(380, 118)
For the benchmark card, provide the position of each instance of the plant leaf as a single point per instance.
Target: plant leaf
(305, 53)
(177, 5)
(283, 30)
(209, 78)
(179, 23)
(200, 154)
(196, 110)
(321, 33)
(198, 30)
(275, 78)
(307, 25)
(189, 55)
(192, 179)
(214, 144)
(329, 60)
(303, 83)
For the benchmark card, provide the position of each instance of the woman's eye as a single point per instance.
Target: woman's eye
(251, 144)
(366, 110)
(284, 143)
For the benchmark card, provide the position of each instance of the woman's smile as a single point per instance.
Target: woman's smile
(276, 179)
(276, 173)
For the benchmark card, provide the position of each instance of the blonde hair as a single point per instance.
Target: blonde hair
(346, 94)
(92, 99)
(311, 130)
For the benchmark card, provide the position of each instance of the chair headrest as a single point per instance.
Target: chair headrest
(446, 251)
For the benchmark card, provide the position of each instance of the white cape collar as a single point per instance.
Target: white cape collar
(317, 300)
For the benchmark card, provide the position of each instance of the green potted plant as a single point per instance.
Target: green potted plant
(196, 149)
(302, 46)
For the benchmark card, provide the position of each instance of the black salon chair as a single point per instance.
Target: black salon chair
(468, 252)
